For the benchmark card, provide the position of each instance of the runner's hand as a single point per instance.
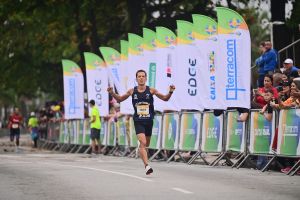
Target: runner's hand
(110, 90)
(171, 88)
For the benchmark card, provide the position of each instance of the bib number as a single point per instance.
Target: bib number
(143, 110)
(15, 126)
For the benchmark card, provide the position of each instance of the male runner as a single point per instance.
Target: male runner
(142, 101)
(15, 121)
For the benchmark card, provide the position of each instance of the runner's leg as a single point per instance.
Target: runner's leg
(142, 148)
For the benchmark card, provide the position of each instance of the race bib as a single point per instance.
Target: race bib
(143, 109)
(15, 126)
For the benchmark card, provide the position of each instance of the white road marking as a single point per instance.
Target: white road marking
(103, 170)
(182, 190)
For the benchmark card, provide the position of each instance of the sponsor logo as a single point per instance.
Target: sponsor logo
(98, 98)
(170, 40)
(192, 82)
(153, 43)
(152, 74)
(72, 95)
(232, 89)
(211, 64)
(211, 29)
(235, 24)
(190, 36)
(169, 66)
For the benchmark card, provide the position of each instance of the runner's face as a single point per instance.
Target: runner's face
(141, 78)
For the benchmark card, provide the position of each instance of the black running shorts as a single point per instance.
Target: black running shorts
(143, 127)
(95, 134)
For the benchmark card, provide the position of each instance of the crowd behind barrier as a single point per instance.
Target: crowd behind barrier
(197, 132)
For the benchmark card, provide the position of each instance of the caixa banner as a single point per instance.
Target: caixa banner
(155, 142)
(170, 131)
(289, 132)
(235, 134)
(212, 133)
(189, 138)
(262, 133)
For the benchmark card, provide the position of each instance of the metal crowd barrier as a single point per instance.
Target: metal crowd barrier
(196, 132)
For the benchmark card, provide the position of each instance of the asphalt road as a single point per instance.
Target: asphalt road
(42, 176)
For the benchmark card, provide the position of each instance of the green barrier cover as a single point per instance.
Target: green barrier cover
(111, 136)
(289, 132)
(235, 140)
(133, 138)
(212, 133)
(189, 139)
(121, 126)
(262, 134)
(170, 131)
(155, 141)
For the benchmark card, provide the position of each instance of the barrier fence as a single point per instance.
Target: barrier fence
(195, 132)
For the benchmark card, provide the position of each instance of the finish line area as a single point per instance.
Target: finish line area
(79, 176)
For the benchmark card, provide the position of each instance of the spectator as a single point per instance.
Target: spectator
(271, 58)
(260, 64)
(259, 94)
(267, 110)
(289, 69)
(43, 123)
(33, 128)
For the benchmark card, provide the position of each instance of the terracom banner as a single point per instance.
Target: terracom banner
(97, 82)
(188, 94)
(233, 82)
(166, 64)
(73, 90)
(262, 133)
(235, 135)
(155, 142)
(170, 131)
(289, 132)
(206, 43)
(189, 139)
(112, 59)
(212, 132)
(149, 55)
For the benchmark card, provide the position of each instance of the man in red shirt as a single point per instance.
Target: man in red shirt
(15, 121)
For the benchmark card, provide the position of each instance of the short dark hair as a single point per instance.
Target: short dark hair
(140, 70)
(92, 102)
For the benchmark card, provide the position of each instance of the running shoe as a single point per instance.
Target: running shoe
(285, 170)
(148, 170)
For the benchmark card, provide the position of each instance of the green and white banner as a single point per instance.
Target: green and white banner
(262, 133)
(212, 133)
(235, 135)
(103, 132)
(86, 132)
(73, 90)
(166, 64)
(289, 133)
(97, 81)
(149, 55)
(189, 139)
(187, 93)
(233, 82)
(155, 142)
(206, 42)
(122, 135)
(112, 59)
(111, 133)
(125, 106)
(170, 131)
